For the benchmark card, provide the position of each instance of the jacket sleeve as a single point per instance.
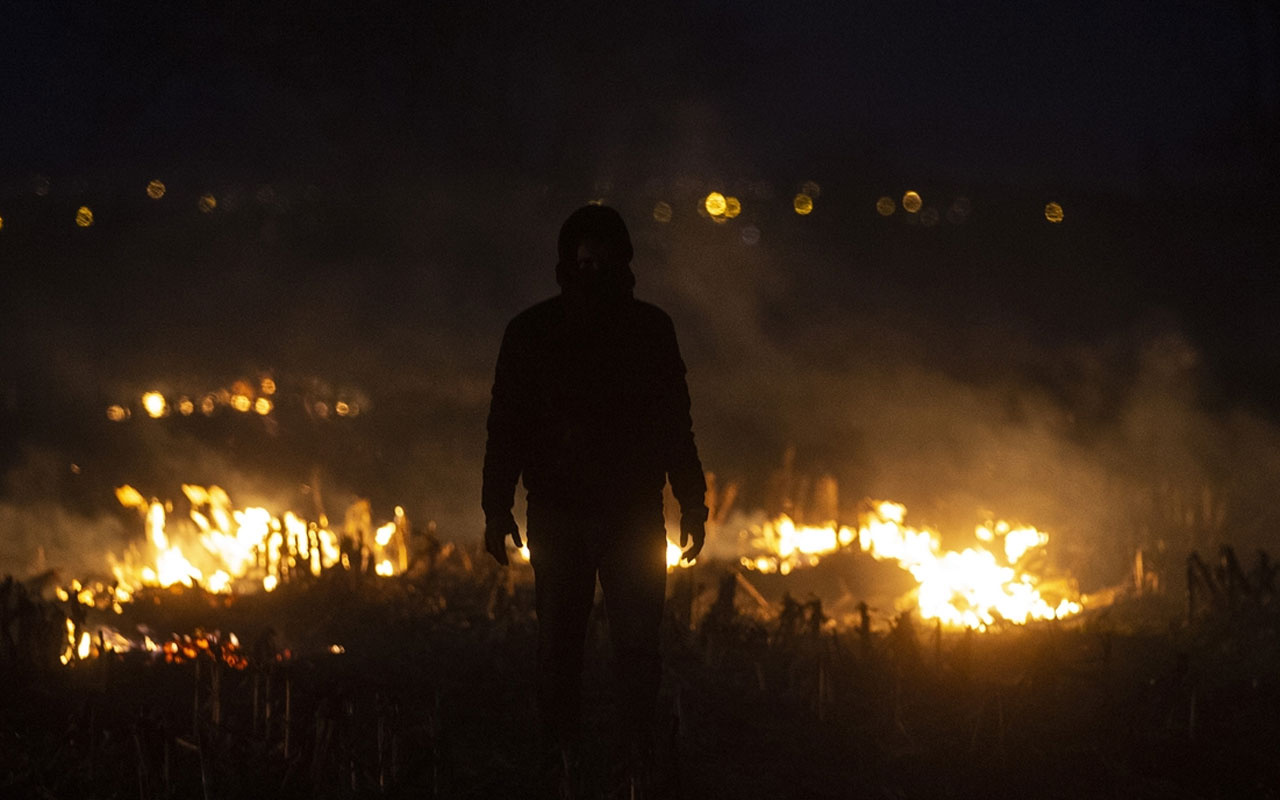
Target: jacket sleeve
(684, 468)
(504, 452)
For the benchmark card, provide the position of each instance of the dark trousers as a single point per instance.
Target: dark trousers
(632, 569)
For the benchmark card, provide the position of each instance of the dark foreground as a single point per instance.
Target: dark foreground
(432, 697)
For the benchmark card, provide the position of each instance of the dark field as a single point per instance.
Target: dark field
(433, 698)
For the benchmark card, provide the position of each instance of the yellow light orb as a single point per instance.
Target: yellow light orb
(241, 403)
(117, 413)
(185, 407)
(662, 212)
(885, 206)
(268, 386)
(715, 204)
(732, 207)
(262, 406)
(342, 408)
(155, 405)
(1053, 213)
(803, 204)
(911, 202)
(207, 203)
(1, 223)
(155, 190)
(84, 217)
(207, 405)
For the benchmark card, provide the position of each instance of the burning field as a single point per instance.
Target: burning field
(231, 651)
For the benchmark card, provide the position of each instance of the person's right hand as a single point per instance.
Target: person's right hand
(495, 538)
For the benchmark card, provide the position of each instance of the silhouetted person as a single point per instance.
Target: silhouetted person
(591, 408)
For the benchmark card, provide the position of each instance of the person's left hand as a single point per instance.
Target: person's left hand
(692, 530)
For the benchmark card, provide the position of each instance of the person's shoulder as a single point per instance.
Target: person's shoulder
(538, 315)
(649, 314)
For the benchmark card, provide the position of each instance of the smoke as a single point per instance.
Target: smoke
(876, 353)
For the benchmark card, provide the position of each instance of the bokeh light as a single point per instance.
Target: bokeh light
(262, 406)
(207, 203)
(715, 204)
(803, 204)
(155, 405)
(117, 413)
(732, 207)
(208, 404)
(662, 212)
(84, 217)
(885, 206)
(811, 188)
(155, 190)
(1053, 213)
(241, 403)
(1, 223)
(268, 385)
(342, 408)
(959, 210)
(185, 407)
(911, 202)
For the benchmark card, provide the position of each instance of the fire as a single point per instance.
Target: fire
(972, 588)
(224, 548)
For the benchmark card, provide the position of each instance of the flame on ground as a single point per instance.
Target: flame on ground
(971, 588)
(226, 548)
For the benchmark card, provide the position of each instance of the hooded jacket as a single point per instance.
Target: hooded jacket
(590, 405)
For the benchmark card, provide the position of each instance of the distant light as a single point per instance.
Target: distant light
(84, 217)
(342, 408)
(732, 207)
(1053, 213)
(337, 649)
(270, 582)
(662, 212)
(185, 407)
(117, 413)
(929, 217)
(911, 202)
(811, 188)
(207, 203)
(262, 406)
(803, 204)
(75, 469)
(750, 235)
(268, 386)
(321, 410)
(1, 223)
(155, 190)
(207, 405)
(885, 206)
(155, 405)
(959, 211)
(241, 403)
(715, 204)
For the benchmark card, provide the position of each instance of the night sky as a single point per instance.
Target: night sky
(388, 180)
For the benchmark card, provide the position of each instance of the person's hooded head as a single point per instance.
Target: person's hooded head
(595, 255)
